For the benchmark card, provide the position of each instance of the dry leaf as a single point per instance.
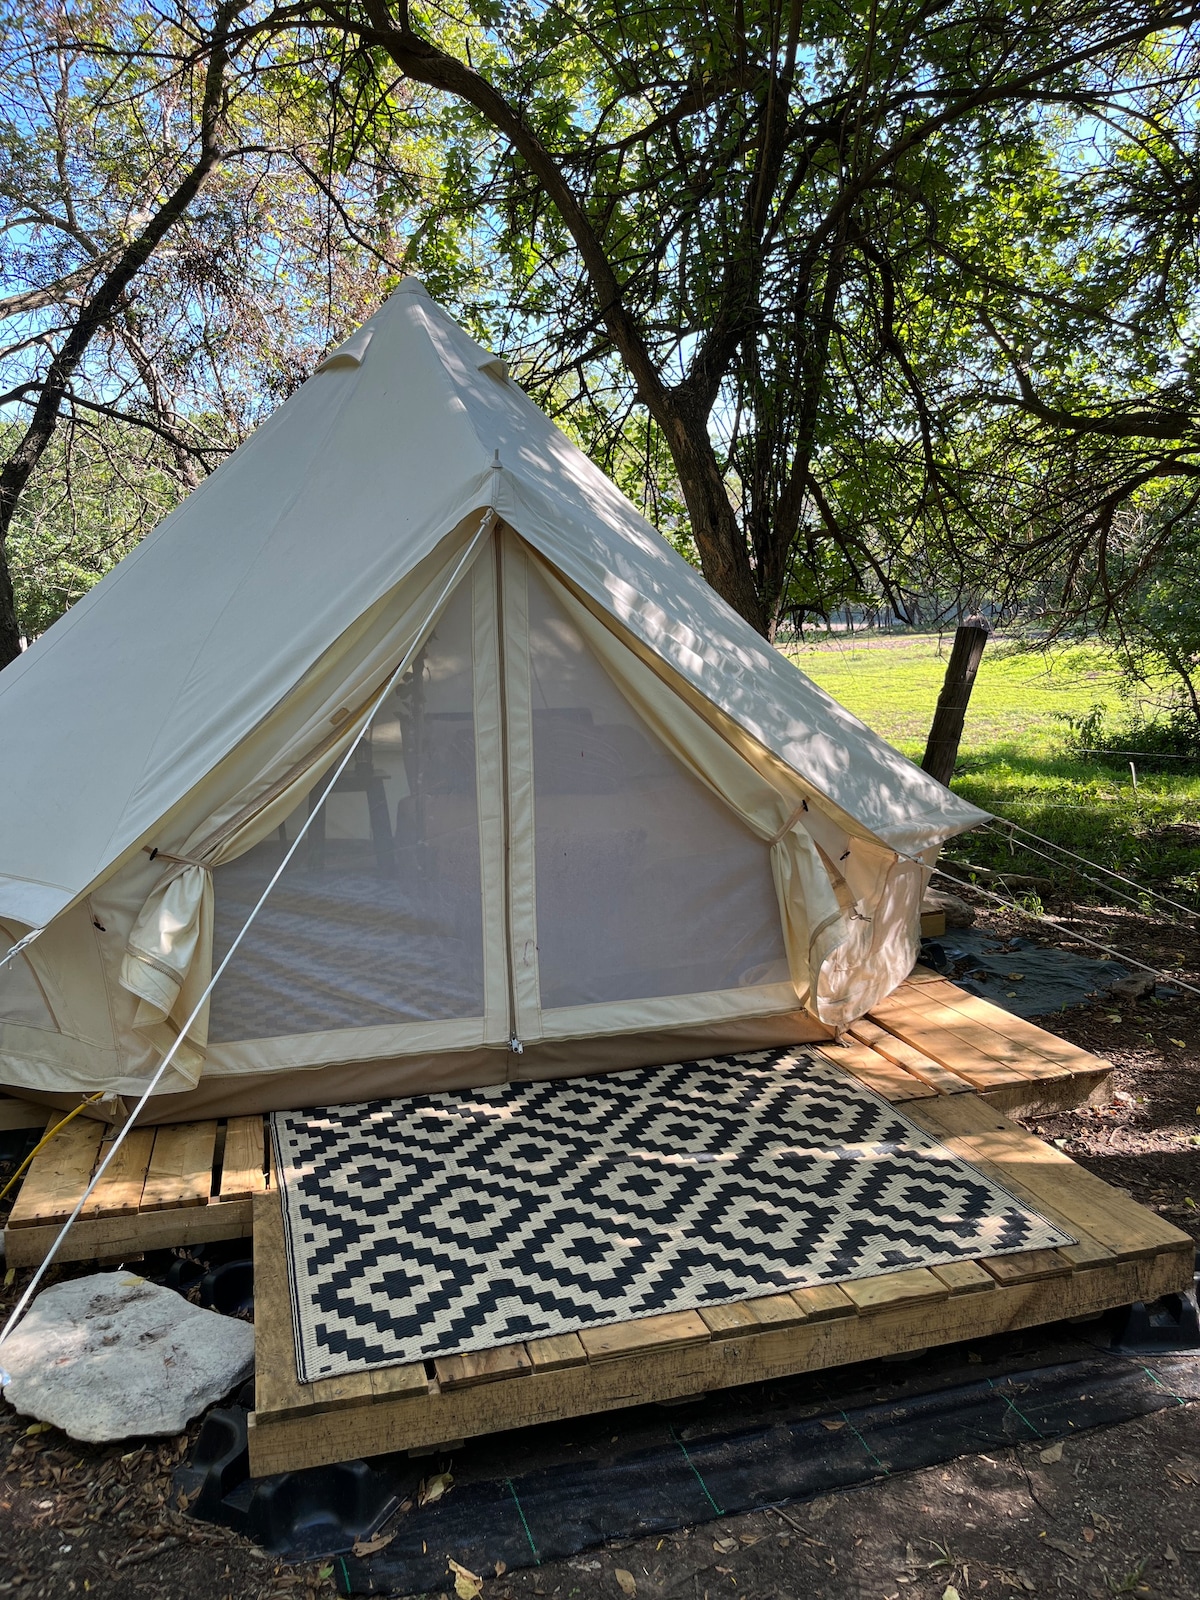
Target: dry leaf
(1169, 1555)
(467, 1584)
(627, 1581)
(950, 1592)
(368, 1547)
(725, 1547)
(11, 1275)
(501, 1568)
(1051, 1454)
(1088, 1534)
(434, 1489)
(832, 1425)
(38, 1427)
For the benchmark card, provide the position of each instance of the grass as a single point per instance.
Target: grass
(1014, 760)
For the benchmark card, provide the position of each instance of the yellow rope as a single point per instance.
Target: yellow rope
(46, 1138)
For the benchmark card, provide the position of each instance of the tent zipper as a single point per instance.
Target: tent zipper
(515, 1046)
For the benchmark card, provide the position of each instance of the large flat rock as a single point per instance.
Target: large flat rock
(112, 1356)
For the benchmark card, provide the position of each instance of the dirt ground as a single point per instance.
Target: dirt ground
(1118, 1512)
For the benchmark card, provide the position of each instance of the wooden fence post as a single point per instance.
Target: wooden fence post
(941, 749)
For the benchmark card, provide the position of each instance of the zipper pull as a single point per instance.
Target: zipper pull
(515, 1045)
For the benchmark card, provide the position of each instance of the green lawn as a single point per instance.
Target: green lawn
(1014, 759)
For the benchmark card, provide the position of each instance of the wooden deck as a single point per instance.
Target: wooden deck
(1125, 1253)
(949, 1058)
(956, 1063)
(184, 1184)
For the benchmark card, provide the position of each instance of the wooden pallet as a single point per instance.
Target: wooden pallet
(1124, 1253)
(185, 1183)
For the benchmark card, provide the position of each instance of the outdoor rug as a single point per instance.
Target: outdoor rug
(442, 1223)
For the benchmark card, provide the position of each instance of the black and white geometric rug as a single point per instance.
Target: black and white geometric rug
(450, 1222)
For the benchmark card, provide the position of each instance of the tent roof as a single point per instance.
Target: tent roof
(115, 714)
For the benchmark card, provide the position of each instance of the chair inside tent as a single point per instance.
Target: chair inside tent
(593, 823)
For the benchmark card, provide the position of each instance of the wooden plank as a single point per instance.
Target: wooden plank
(909, 1058)
(979, 1069)
(876, 1071)
(1025, 1266)
(1046, 1178)
(17, 1114)
(57, 1176)
(989, 1034)
(243, 1171)
(730, 1322)
(351, 1389)
(776, 1311)
(976, 1009)
(119, 1192)
(288, 1443)
(116, 1238)
(407, 1382)
(673, 1331)
(482, 1366)
(559, 1350)
(964, 1277)
(824, 1302)
(277, 1389)
(1087, 1252)
(892, 1289)
(181, 1166)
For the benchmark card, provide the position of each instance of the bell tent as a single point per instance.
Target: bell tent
(596, 823)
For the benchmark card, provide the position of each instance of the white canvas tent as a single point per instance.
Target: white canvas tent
(597, 823)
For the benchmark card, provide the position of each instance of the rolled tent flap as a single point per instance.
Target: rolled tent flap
(168, 962)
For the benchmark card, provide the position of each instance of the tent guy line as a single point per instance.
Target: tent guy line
(485, 527)
(1001, 824)
(14, 950)
(1097, 883)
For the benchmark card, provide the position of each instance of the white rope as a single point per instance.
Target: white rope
(467, 555)
(22, 944)
(1189, 911)
(1098, 883)
(1057, 922)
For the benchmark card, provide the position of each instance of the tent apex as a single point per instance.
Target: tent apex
(411, 284)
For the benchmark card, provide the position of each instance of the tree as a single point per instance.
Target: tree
(819, 247)
(192, 209)
(108, 277)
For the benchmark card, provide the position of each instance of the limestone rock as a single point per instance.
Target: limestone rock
(957, 912)
(112, 1356)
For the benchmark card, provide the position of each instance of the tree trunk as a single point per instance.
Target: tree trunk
(941, 750)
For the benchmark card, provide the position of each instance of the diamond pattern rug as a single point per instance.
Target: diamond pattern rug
(444, 1223)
